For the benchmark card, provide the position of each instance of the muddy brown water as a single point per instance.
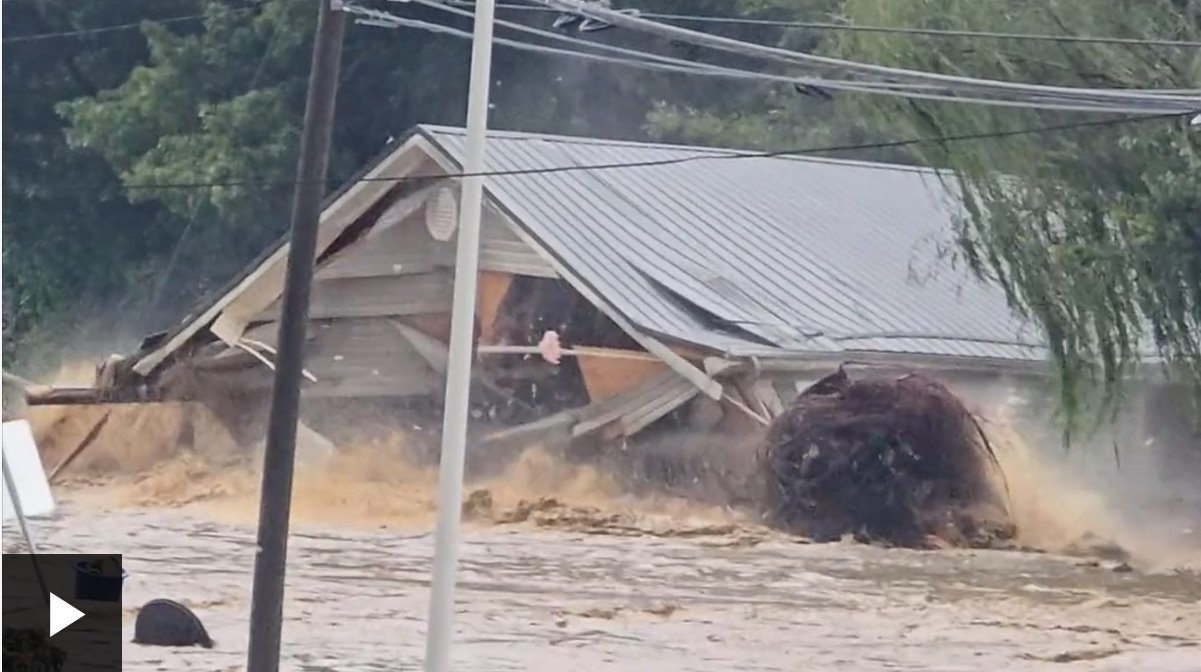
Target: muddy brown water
(590, 577)
(543, 598)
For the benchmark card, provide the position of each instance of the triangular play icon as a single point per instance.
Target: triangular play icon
(61, 614)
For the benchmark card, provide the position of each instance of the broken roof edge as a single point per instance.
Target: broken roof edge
(151, 358)
(208, 308)
(792, 361)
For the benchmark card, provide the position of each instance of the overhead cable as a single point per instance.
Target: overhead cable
(852, 28)
(1152, 103)
(650, 61)
(637, 58)
(708, 154)
(109, 29)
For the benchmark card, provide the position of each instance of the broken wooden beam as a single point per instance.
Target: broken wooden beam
(556, 427)
(62, 396)
(44, 395)
(87, 441)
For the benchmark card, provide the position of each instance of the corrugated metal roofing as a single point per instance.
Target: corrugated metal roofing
(801, 254)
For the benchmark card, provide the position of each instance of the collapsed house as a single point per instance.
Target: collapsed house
(700, 287)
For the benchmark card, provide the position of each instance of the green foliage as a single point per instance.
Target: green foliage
(1093, 233)
(201, 109)
(767, 116)
(70, 235)
(221, 100)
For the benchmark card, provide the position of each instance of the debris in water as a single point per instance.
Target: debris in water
(607, 614)
(1074, 656)
(549, 512)
(664, 610)
(478, 505)
(893, 460)
(164, 622)
(1090, 545)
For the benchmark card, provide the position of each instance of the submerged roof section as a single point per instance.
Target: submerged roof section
(754, 256)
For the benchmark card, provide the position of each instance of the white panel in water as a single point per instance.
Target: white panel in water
(25, 465)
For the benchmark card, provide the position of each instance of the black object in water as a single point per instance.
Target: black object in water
(168, 623)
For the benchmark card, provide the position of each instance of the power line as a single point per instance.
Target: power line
(110, 29)
(651, 61)
(819, 25)
(730, 20)
(708, 155)
(1152, 102)
(658, 62)
(933, 91)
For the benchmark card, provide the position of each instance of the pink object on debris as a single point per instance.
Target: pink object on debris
(550, 348)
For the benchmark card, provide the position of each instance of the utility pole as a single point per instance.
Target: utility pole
(462, 332)
(270, 561)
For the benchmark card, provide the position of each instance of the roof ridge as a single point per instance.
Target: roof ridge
(436, 129)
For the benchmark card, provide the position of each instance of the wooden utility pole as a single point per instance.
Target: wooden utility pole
(266, 606)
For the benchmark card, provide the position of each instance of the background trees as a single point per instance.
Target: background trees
(1095, 234)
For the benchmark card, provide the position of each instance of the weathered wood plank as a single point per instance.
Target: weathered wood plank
(64, 396)
(401, 249)
(433, 351)
(381, 266)
(376, 297)
(641, 417)
(263, 284)
(668, 391)
(349, 357)
(405, 386)
(607, 377)
(513, 257)
(502, 250)
(267, 288)
(556, 427)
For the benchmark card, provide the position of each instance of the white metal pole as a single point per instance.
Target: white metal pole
(462, 331)
(11, 484)
(18, 510)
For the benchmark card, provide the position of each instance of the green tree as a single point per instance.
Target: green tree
(219, 99)
(751, 115)
(71, 236)
(1096, 233)
(1093, 234)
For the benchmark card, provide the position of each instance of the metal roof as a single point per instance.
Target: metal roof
(755, 255)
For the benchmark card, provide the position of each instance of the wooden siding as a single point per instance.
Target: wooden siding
(406, 246)
(605, 377)
(501, 250)
(349, 357)
(403, 248)
(376, 297)
(634, 409)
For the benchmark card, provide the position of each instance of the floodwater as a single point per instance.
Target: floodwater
(544, 598)
(561, 570)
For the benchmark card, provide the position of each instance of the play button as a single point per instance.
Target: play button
(61, 614)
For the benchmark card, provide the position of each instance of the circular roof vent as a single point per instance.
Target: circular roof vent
(442, 214)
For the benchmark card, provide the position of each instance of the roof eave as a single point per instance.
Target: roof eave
(148, 359)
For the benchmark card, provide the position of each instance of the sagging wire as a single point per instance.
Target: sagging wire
(1108, 99)
(650, 61)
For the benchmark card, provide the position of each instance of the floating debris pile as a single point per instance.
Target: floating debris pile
(897, 460)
